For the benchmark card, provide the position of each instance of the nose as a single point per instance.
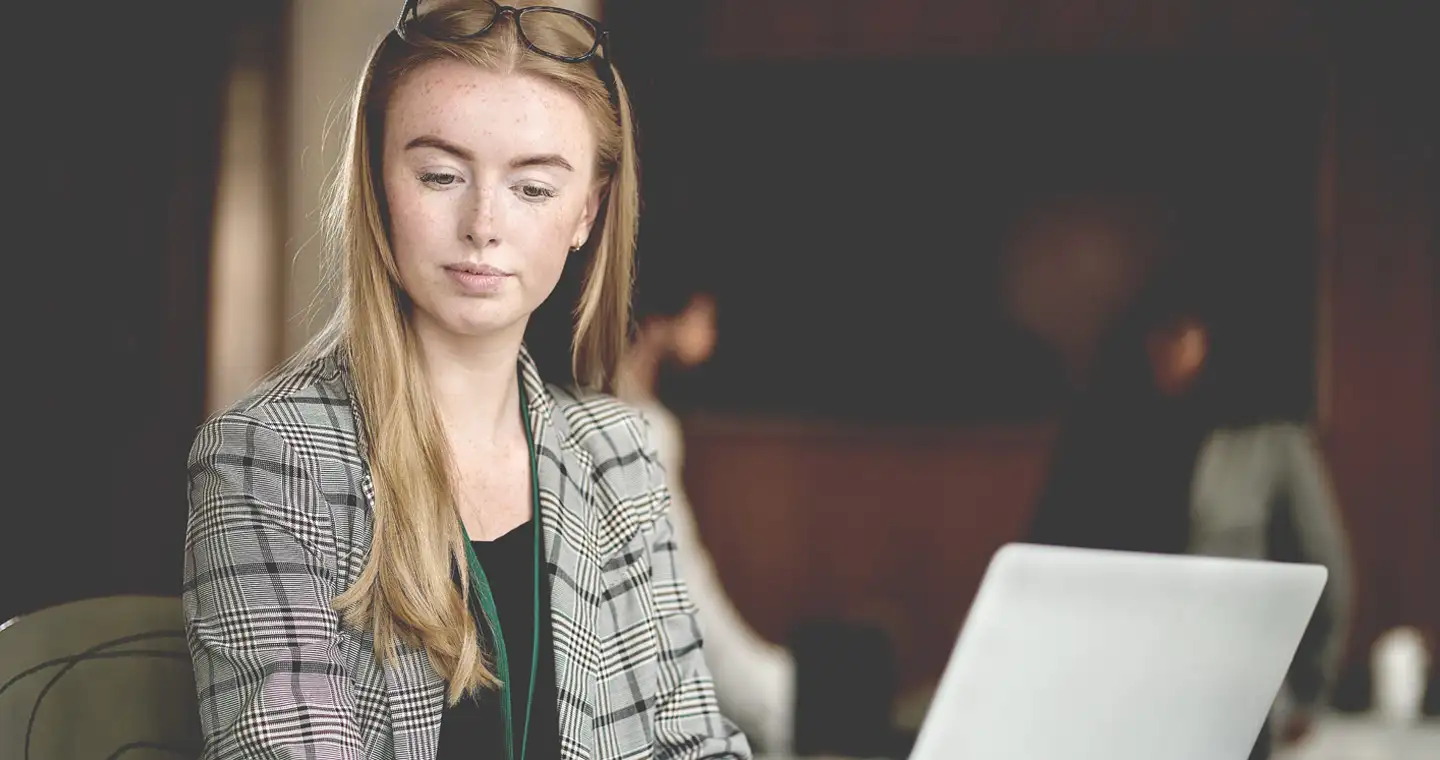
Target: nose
(481, 226)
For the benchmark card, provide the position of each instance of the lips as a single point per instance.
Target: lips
(480, 270)
(478, 279)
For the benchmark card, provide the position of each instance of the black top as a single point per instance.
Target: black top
(475, 729)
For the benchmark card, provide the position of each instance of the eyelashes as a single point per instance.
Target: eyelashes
(439, 179)
(530, 192)
(535, 192)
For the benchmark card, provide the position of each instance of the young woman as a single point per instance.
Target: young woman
(409, 545)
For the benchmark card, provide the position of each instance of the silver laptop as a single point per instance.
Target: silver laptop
(1076, 654)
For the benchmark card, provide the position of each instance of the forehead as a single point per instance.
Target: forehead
(489, 112)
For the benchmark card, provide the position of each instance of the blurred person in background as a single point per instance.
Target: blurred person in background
(1162, 454)
(830, 691)
(407, 544)
(754, 678)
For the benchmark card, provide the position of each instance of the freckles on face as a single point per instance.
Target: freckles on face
(484, 169)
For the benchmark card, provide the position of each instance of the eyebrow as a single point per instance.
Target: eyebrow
(431, 141)
(543, 159)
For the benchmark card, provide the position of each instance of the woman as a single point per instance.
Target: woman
(1161, 458)
(408, 545)
(754, 678)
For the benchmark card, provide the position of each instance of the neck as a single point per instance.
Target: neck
(639, 370)
(473, 381)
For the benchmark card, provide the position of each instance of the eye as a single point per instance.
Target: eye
(534, 192)
(439, 179)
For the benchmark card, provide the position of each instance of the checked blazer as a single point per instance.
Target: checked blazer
(280, 524)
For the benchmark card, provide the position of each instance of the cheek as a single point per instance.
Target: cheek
(415, 226)
(568, 219)
(547, 255)
(553, 233)
(403, 222)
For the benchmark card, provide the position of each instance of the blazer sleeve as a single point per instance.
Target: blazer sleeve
(687, 720)
(259, 581)
(1317, 535)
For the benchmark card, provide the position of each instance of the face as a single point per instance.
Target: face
(1177, 355)
(490, 182)
(694, 332)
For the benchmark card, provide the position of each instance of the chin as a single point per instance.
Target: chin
(472, 325)
(477, 329)
(472, 320)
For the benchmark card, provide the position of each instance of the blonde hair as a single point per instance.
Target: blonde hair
(406, 592)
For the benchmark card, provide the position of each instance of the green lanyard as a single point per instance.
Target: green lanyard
(481, 594)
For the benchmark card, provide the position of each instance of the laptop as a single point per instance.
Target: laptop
(1080, 654)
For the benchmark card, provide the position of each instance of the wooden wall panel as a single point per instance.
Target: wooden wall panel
(1380, 336)
(892, 526)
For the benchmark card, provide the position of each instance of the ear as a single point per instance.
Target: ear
(587, 215)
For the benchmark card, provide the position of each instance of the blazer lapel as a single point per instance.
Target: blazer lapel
(567, 525)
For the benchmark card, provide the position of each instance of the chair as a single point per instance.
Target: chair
(107, 678)
(845, 686)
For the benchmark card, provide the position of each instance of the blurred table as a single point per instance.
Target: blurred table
(1361, 738)
(1337, 738)
(810, 757)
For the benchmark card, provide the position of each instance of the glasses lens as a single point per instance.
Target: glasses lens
(559, 34)
(449, 19)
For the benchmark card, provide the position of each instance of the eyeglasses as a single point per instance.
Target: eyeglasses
(557, 33)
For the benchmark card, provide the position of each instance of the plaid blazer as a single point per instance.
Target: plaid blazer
(280, 524)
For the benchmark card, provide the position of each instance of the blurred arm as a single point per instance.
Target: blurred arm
(1318, 535)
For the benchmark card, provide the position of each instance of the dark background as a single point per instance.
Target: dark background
(851, 218)
(1301, 136)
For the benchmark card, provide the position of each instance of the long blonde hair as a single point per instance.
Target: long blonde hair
(406, 591)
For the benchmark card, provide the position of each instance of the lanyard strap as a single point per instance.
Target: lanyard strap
(484, 598)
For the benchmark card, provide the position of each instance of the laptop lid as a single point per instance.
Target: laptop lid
(1079, 654)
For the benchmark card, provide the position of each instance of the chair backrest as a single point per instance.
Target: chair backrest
(101, 678)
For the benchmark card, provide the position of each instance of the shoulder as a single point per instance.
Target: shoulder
(285, 457)
(1277, 451)
(307, 413)
(666, 435)
(602, 425)
(613, 442)
(1268, 437)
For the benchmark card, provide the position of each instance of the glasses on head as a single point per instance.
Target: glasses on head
(557, 33)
